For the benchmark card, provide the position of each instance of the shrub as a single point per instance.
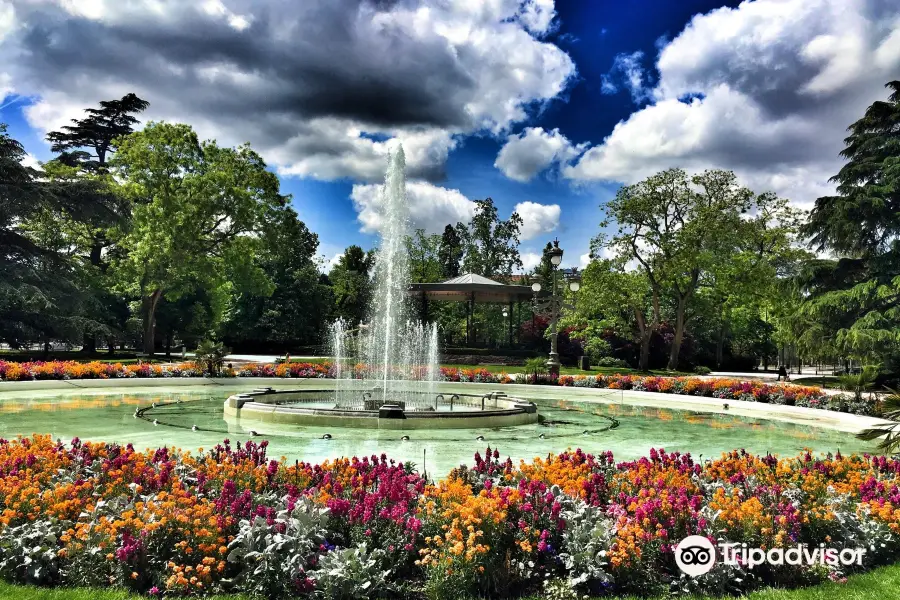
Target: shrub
(702, 370)
(610, 362)
(352, 574)
(29, 553)
(211, 355)
(276, 552)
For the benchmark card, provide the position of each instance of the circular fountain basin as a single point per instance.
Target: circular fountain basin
(440, 411)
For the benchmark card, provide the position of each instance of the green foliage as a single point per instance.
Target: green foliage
(596, 348)
(424, 257)
(535, 367)
(888, 434)
(211, 354)
(490, 245)
(352, 285)
(295, 313)
(613, 298)
(42, 291)
(692, 235)
(195, 205)
(856, 298)
(859, 383)
(98, 131)
(450, 253)
(702, 370)
(355, 573)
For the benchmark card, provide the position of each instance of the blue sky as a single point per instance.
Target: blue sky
(542, 105)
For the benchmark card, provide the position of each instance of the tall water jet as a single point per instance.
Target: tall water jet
(340, 338)
(400, 354)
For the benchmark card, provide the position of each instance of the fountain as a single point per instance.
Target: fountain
(400, 354)
(398, 357)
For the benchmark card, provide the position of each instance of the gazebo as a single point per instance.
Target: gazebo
(471, 289)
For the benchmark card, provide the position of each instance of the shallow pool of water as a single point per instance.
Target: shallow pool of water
(108, 415)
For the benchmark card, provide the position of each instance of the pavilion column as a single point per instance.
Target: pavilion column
(519, 321)
(470, 325)
(510, 323)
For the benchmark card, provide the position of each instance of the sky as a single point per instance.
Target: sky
(545, 107)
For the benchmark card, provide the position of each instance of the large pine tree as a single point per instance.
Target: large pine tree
(858, 294)
(38, 299)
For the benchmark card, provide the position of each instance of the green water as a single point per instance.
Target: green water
(102, 415)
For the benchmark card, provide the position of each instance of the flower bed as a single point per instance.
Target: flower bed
(229, 519)
(724, 388)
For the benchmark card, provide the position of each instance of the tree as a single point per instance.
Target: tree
(38, 295)
(198, 210)
(296, 312)
(490, 245)
(98, 131)
(624, 301)
(450, 253)
(84, 148)
(424, 257)
(857, 294)
(352, 285)
(682, 230)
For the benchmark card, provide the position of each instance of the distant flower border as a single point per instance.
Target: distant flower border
(723, 388)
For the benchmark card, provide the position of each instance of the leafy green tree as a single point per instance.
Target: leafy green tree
(857, 294)
(682, 231)
(450, 253)
(623, 301)
(351, 284)
(424, 257)
(490, 245)
(295, 314)
(198, 211)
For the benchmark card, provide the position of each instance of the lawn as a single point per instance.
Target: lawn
(880, 583)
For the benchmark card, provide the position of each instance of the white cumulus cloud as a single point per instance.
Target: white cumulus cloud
(537, 219)
(530, 260)
(766, 89)
(431, 207)
(525, 155)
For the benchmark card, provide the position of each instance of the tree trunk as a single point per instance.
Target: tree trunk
(111, 345)
(720, 346)
(169, 344)
(679, 335)
(88, 343)
(646, 333)
(150, 303)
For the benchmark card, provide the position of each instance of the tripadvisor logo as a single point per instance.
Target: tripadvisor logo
(695, 555)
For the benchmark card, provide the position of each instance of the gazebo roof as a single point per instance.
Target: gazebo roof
(471, 287)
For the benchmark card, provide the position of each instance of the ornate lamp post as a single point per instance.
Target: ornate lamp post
(553, 305)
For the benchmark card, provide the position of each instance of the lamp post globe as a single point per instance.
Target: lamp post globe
(556, 254)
